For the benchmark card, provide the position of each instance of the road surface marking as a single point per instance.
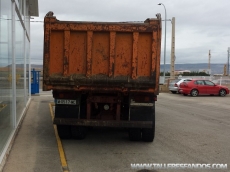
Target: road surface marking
(60, 147)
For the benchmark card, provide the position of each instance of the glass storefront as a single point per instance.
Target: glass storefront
(6, 124)
(14, 66)
(19, 60)
(27, 62)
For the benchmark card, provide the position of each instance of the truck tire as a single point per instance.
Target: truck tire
(78, 132)
(148, 134)
(64, 131)
(134, 134)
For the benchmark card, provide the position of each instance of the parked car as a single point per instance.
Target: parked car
(174, 84)
(197, 87)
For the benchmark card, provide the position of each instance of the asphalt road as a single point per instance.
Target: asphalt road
(188, 130)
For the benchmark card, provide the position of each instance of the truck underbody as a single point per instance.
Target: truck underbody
(75, 111)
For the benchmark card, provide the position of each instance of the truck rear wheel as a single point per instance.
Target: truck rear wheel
(134, 134)
(64, 131)
(148, 134)
(78, 132)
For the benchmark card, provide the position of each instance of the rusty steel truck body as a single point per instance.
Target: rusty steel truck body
(103, 74)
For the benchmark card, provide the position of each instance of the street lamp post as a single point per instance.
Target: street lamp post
(228, 61)
(165, 39)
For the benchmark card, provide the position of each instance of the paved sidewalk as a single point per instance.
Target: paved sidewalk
(35, 147)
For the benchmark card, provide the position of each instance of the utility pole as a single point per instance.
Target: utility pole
(209, 59)
(172, 67)
(165, 39)
(225, 70)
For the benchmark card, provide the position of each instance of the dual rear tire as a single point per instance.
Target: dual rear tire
(79, 133)
(144, 134)
(71, 132)
(148, 134)
(64, 131)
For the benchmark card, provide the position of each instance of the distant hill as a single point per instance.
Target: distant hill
(215, 68)
(36, 66)
(39, 66)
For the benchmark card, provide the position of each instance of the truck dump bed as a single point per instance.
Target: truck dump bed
(122, 56)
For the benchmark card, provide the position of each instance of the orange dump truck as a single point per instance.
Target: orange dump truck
(103, 74)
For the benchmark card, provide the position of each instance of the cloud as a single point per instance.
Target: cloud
(200, 25)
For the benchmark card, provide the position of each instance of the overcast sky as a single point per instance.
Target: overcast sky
(201, 25)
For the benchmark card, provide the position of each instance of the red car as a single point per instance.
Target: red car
(197, 87)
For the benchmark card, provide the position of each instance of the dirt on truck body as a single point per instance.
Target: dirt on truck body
(103, 74)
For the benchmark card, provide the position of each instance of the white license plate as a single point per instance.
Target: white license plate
(65, 102)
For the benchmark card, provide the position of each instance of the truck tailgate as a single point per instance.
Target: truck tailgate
(102, 55)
